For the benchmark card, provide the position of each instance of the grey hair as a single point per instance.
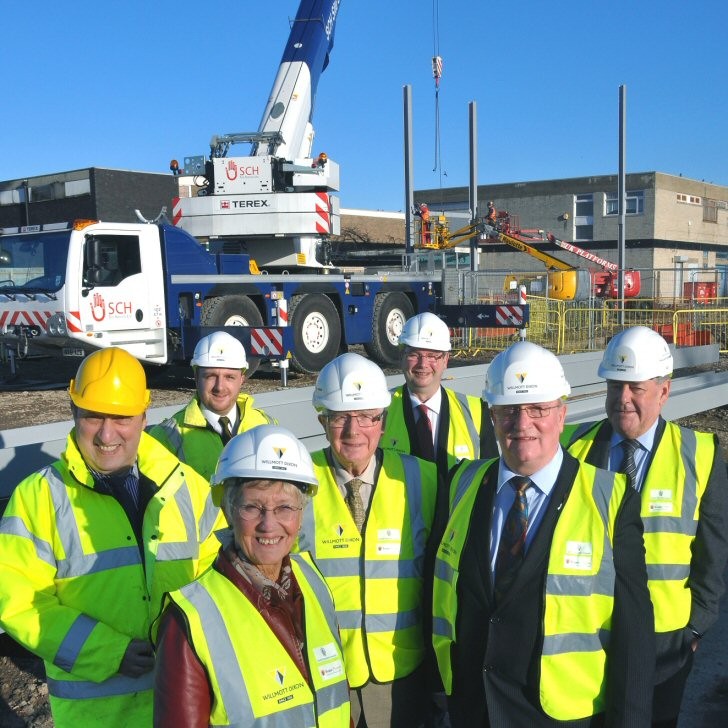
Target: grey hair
(233, 489)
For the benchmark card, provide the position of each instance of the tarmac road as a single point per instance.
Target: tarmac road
(705, 704)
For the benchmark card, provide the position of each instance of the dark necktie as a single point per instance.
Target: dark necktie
(628, 465)
(423, 428)
(355, 503)
(227, 433)
(513, 538)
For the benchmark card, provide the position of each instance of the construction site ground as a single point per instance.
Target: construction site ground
(23, 692)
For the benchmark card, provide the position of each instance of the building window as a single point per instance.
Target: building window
(584, 206)
(688, 199)
(710, 211)
(635, 203)
(583, 232)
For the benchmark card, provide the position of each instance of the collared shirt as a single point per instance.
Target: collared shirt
(616, 452)
(537, 496)
(434, 404)
(213, 419)
(342, 476)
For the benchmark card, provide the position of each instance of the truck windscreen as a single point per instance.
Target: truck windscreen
(33, 263)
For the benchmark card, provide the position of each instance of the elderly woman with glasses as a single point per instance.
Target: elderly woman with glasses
(255, 637)
(368, 532)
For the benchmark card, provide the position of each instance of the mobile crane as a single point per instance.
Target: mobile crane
(277, 203)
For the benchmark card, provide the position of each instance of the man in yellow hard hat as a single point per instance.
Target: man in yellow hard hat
(90, 544)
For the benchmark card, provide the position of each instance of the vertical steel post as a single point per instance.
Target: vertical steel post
(622, 197)
(473, 119)
(409, 174)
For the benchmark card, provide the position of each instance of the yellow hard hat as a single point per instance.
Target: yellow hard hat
(110, 381)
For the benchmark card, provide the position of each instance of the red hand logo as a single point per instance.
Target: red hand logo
(98, 310)
(232, 170)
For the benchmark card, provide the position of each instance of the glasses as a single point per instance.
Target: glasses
(282, 514)
(428, 356)
(339, 421)
(534, 411)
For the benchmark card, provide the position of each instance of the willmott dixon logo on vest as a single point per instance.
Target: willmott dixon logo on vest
(340, 541)
(285, 692)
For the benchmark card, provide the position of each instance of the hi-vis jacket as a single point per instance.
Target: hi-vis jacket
(253, 679)
(376, 578)
(671, 494)
(463, 436)
(579, 588)
(75, 588)
(187, 435)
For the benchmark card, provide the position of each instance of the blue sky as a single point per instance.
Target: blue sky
(132, 85)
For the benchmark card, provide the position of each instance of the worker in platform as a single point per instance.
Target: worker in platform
(90, 544)
(681, 479)
(422, 211)
(542, 615)
(254, 641)
(198, 432)
(368, 534)
(426, 419)
(492, 217)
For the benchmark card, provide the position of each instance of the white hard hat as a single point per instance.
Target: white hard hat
(636, 355)
(350, 382)
(266, 452)
(220, 350)
(525, 373)
(425, 331)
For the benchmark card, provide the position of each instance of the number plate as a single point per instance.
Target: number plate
(70, 351)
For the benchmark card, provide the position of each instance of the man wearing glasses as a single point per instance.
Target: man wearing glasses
(426, 419)
(368, 531)
(542, 615)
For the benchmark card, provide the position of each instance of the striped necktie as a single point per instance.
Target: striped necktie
(355, 503)
(513, 538)
(628, 465)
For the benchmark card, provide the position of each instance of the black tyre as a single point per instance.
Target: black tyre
(391, 310)
(233, 311)
(316, 332)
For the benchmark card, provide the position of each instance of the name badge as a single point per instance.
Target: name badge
(389, 541)
(578, 555)
(660, 501)
(329, 665)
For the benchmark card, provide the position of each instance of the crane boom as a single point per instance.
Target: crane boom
(603, 262)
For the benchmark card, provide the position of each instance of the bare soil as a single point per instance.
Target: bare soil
(23, 693)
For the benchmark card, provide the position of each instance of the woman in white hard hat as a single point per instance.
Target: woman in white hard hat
(256, 635)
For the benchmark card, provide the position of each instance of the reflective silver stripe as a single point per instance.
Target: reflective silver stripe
(349, 619)
(73, 642)
(114, 686)
(688, 450)
(443, 570)
(465, 480)
(307, 536)
(404, 569)
(580, 431)
(668, 572)
(14, 526)
(413, 484)
(174, 436)
(78, 563)
(189, 549)
(574, 642)
(602, 490)
(666, 524)
(233, 691)
(468, 417)
(392, 622)
(442, 628)
(563, 585)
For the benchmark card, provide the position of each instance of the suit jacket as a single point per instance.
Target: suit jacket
(496, 659)
(707, 565)
(488, 442)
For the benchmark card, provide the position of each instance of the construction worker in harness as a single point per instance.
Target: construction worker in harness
(368, 533)
(198, 432)
(90, 543)
(681, 479)
(541, 614)
(254, 641)
(426, 419)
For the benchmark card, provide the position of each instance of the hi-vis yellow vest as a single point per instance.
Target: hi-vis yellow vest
(579, 597)
(83, 589)
(255, 683)
(376, 579)
(671, 493)
(187, 435)
(463, 437)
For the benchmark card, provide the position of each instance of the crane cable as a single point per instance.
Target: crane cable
(437, 74)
